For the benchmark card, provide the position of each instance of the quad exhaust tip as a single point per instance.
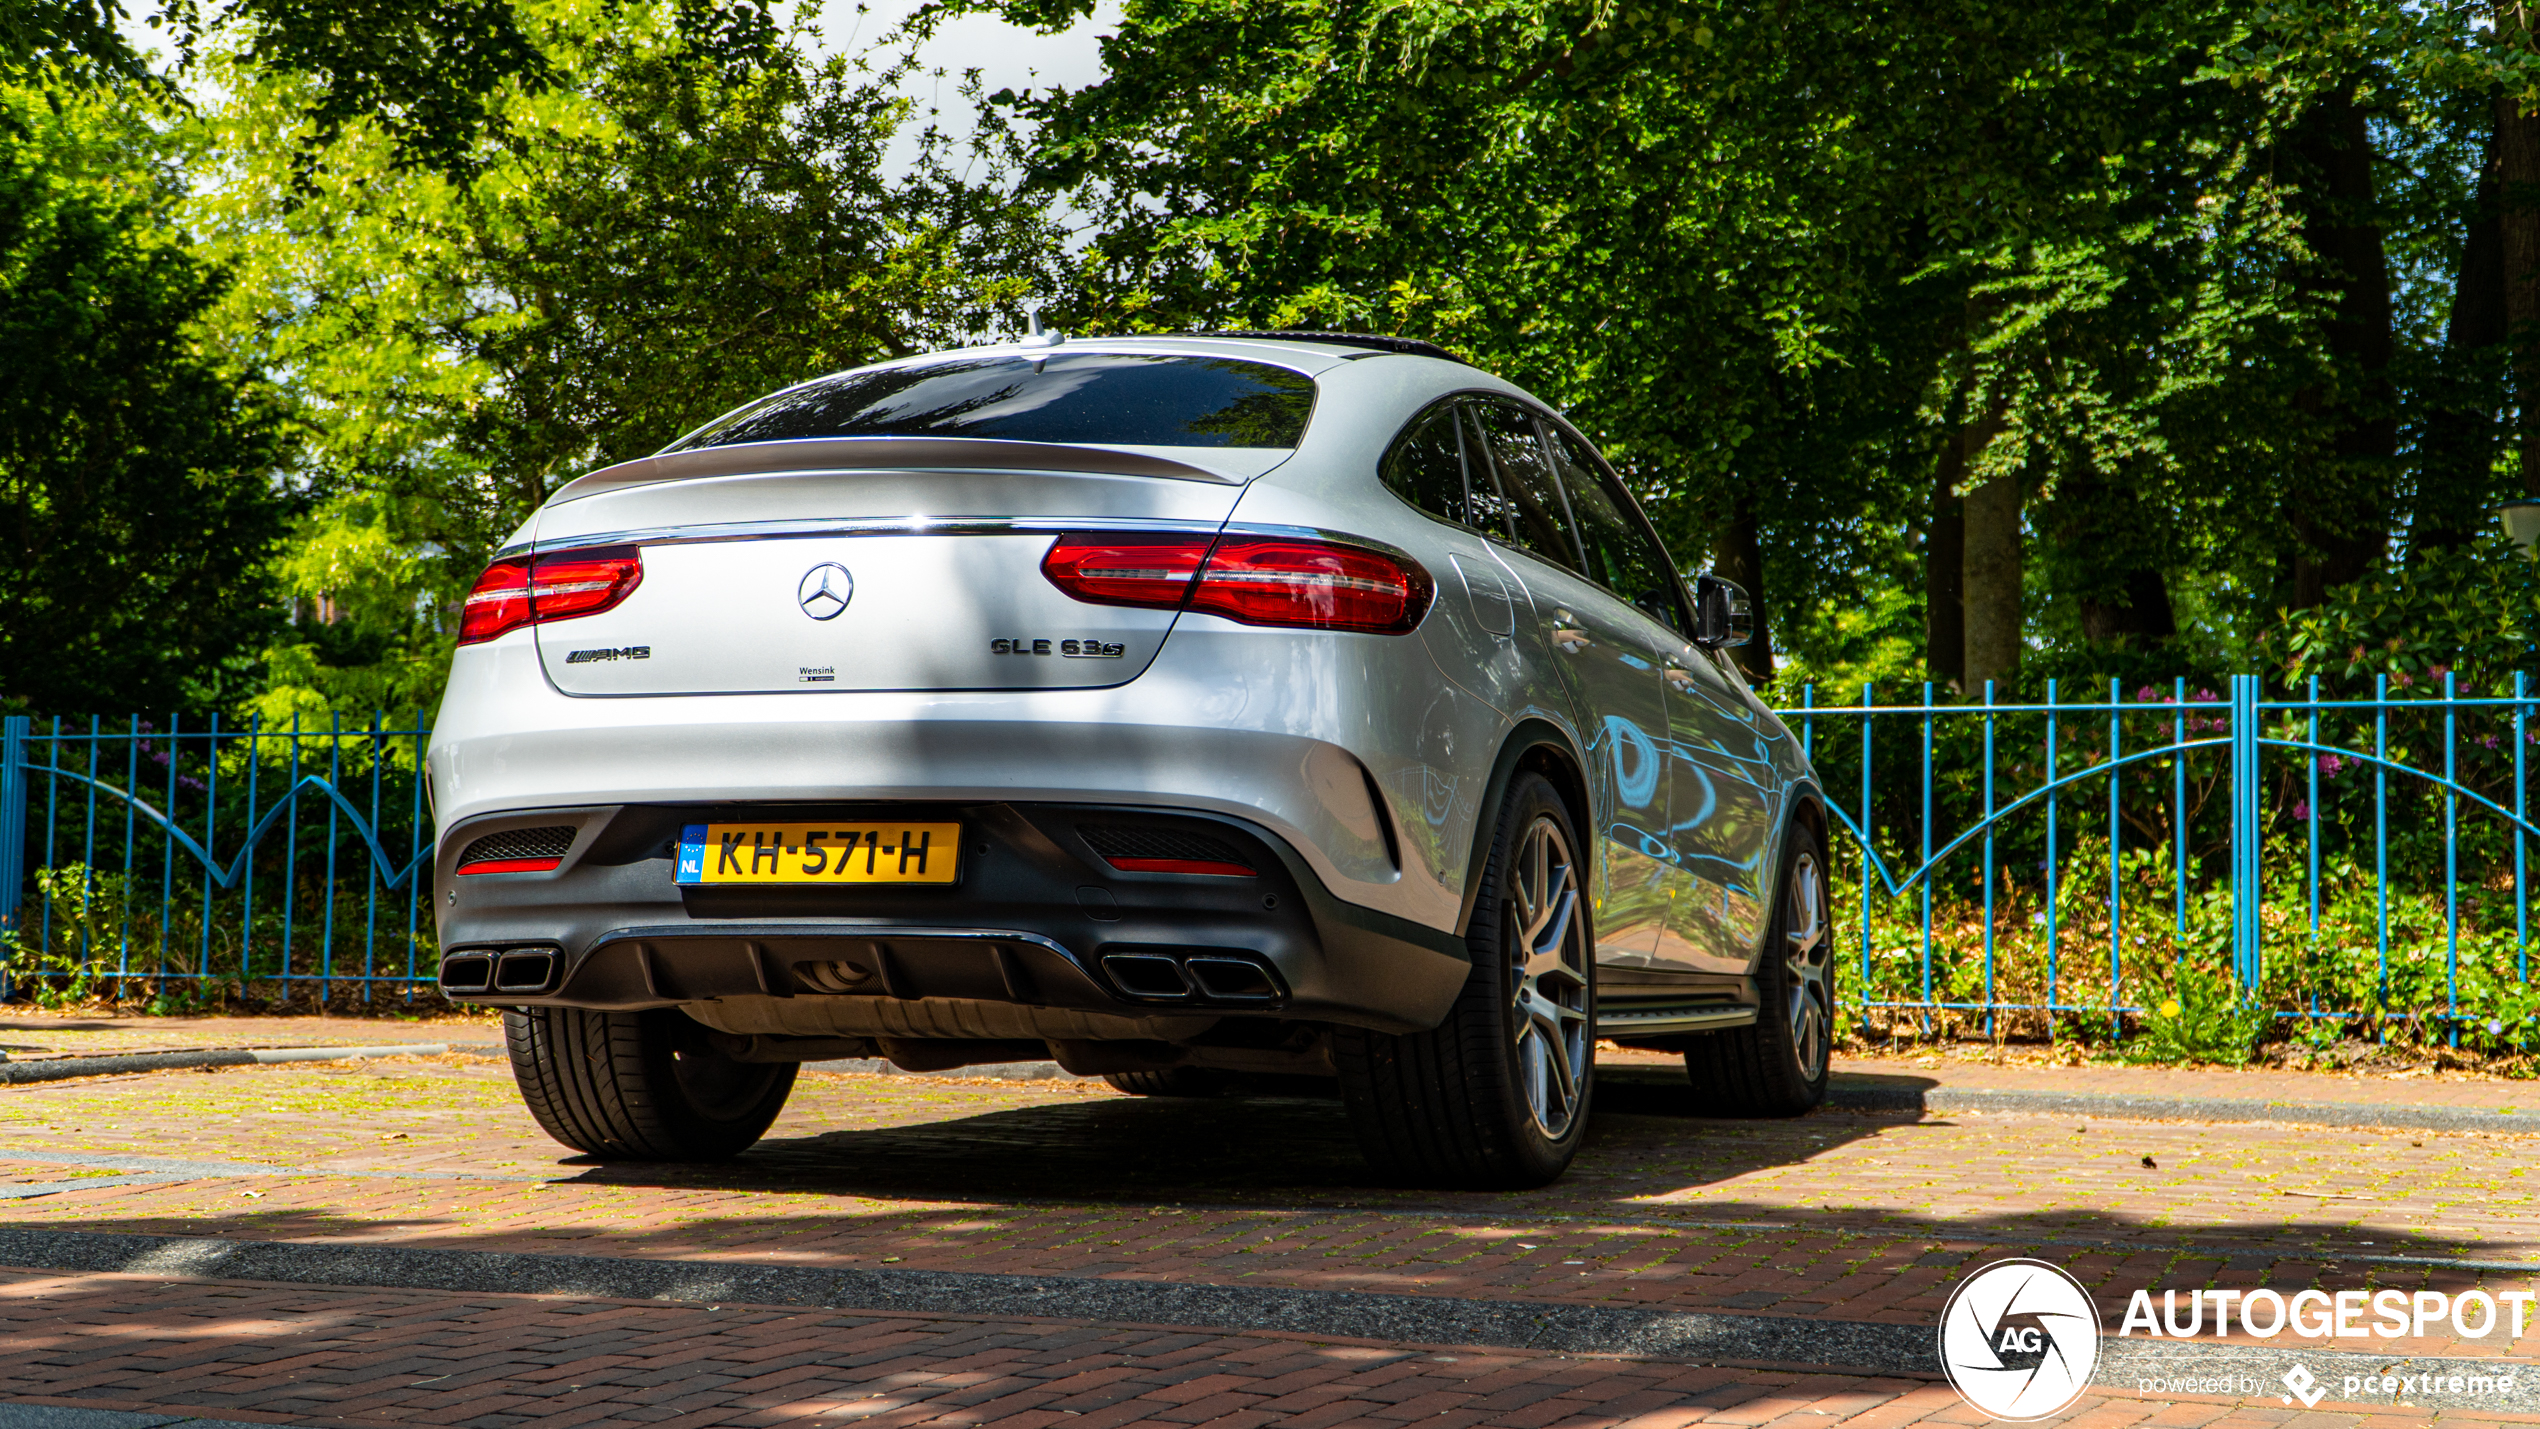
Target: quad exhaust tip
(1199, 977)
(525, 972)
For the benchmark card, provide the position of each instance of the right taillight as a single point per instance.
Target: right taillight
(1294, 581)
(537, 589)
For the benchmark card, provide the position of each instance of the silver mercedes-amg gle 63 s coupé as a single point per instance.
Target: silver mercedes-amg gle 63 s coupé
(1194, 711)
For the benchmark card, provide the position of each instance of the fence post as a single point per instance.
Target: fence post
(13, 730)
(2248, 893)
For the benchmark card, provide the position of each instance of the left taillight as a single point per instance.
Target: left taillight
(1294, 581)
(531, 590)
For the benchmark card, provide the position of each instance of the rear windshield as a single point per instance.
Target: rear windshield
(1110, 398)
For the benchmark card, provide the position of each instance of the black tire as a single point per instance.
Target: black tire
(1481, 1102)
(1779, 1066)
(640, 1086)
(1170, 1082)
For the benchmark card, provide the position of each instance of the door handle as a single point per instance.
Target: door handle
(1571, 641)
(1681, 678)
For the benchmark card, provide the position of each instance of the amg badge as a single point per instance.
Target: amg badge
(624, 652)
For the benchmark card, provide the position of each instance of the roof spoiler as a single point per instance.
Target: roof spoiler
(882, 453)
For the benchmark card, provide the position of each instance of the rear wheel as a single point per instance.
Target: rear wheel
(1170, 1082)
(1779, 1066)
(1496, 1096)
(640, 1086)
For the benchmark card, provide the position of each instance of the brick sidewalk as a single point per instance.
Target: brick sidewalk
(371, 1357)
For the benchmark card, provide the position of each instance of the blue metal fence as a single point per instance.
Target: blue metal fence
(295, 856)
(207, 851)
(2139, 772)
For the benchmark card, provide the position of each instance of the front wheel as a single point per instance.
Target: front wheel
(1779, 1066)
(1496, 1096)
(640, 1086)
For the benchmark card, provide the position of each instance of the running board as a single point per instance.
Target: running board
(1659, 1021)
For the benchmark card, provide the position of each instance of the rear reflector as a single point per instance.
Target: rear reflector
(511, 865)
(535, 850)
(535, 589)
(1293, 581)
(1210, 867)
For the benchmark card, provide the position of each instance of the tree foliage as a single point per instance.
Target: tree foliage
(141, 491)
(651, 240)
(2165, 285)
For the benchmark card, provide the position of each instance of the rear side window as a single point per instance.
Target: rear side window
(1621, 556)
(1539, 520)
(1116, 399)
(1426, 468)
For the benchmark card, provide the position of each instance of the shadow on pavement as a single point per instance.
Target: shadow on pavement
(1645, 1137)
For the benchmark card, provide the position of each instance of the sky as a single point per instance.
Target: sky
(1008, 56)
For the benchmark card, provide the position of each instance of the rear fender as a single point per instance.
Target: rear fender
(1536, 745)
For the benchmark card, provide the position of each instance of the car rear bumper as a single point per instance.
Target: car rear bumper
(1038, 919)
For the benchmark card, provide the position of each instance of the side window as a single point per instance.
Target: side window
(1539, 520)
(1426, 468)
(1492, 512)
(1621, 555)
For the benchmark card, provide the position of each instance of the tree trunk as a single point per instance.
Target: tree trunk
(1993, 565)
(2458, 454)
(2341, 520)
(1944, 569)
(1737, 554)
(2518, 231)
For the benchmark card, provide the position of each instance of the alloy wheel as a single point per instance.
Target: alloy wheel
(1548, 977)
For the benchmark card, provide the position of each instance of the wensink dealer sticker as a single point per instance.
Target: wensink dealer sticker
(2020, 1340)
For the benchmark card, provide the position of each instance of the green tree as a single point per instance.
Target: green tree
(2116, 321)
(653, 238)
(142, 490)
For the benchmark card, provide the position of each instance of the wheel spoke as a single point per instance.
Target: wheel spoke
(1557, 1053)
(1545, 953)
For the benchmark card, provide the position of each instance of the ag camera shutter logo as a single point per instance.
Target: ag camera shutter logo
(2019, 1339)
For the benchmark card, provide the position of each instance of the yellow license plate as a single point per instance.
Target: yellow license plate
(819, 853)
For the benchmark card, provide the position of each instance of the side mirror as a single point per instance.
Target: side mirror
(1723, 616)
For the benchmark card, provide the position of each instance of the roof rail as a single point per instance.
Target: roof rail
(1379, 342)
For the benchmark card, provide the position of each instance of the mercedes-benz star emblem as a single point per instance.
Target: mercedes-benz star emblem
(825, 591)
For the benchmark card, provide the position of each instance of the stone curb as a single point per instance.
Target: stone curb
(1940, 1101)
(58, 1069)
(16, 1415)
(1592, 1329)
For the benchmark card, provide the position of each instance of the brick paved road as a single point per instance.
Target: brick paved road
(368, 1357)
(1840, 1217)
